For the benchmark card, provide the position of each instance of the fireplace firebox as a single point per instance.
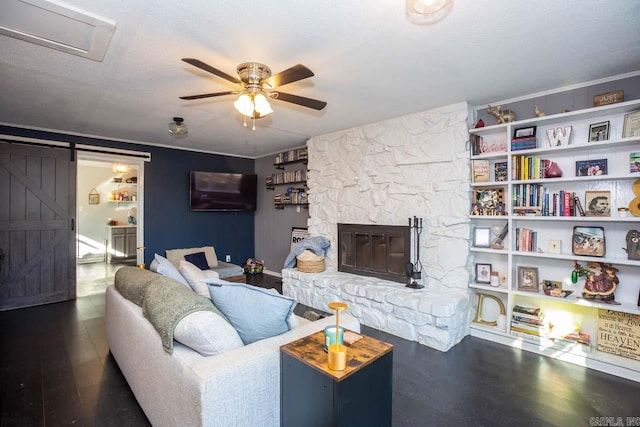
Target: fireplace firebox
(382, 251)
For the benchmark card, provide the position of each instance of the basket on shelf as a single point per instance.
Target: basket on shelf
(308, 262)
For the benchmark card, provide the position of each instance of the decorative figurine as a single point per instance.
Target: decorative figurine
(601, 281)
(539, 112)
(479, 124)
(505, 116)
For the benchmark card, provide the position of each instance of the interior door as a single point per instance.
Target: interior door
(37, 205)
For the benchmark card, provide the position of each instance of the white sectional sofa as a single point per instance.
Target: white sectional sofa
(240, 387)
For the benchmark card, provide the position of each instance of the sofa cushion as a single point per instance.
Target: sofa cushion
(254, 312)
(176, 255)
(207, 333)
(169, 270)
(195, 277)
(166, 304)
(198, 259)
(226, 269)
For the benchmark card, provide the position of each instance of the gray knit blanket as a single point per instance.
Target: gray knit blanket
(166, 305)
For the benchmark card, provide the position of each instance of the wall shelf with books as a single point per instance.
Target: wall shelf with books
(291, 196)
(560, 182)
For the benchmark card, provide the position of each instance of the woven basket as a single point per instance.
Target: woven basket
(310, 266)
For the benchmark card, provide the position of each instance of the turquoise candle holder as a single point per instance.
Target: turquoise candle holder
(330, 336)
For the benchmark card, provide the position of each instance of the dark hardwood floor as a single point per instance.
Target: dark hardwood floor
(55, 369)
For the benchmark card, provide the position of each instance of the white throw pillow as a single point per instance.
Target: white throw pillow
(167, 269)
(196, 278)
(176, 255)
(207, 333)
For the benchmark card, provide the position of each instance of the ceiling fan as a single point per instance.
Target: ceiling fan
(257, 84)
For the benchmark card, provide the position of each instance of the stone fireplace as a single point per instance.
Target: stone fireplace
(384, 173)
(381, 251)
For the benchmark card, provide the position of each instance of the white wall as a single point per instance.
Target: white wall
(387, 172)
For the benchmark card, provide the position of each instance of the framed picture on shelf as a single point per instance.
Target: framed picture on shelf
(483, 273)
(598, 203)
(528, 132)
(631, 125)
(634, 162)
(599, 131)
(482, 237)
(588, 241)
(487, 199)
(528, 279)
(591, 167)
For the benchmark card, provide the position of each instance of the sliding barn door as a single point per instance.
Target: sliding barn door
(37, 208)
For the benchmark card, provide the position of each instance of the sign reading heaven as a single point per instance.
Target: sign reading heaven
(619, 333)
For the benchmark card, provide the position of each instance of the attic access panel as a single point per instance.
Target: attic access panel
(56, 26)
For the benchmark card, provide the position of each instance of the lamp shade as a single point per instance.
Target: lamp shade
(244, 105)
(425, 12)
(262, 105)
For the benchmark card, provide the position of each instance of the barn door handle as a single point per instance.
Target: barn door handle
(73, 224)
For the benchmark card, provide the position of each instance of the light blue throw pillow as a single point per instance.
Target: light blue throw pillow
(254, 312)
(167, 269)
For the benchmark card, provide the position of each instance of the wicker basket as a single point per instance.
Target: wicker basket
(310, 266)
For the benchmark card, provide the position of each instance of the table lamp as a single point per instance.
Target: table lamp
(337, 352)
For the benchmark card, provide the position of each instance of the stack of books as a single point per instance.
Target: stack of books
(524, 143)
(526, 240)
(527, 322)
(575, 339)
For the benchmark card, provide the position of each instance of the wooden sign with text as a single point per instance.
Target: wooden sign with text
(608, 98)
(619, 333)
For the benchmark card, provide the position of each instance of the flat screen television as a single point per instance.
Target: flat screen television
(217, 191)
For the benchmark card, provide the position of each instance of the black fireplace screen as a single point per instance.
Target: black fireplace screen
(381, 251)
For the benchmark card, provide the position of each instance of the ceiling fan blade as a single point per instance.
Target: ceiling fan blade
(300, 100)
(290, 75)
(210, 69)
(209, 95)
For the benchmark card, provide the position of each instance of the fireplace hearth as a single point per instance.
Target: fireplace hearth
(382, 251)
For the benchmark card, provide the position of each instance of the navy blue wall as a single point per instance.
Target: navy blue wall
(168, 222)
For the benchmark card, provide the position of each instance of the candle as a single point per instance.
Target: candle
(330, 336)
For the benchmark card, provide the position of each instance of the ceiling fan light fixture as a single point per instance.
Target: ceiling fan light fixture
(244, 105)
(426, 12)
(262, 105)
(178, 128)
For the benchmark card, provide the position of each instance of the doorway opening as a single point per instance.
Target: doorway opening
(109, 218)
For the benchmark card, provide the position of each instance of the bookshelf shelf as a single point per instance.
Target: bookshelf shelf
(296, 196)
(523, 193)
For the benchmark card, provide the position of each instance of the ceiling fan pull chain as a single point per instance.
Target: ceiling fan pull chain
(245, 120)
(254, 123)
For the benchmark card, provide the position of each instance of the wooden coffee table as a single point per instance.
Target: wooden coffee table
(311, 394)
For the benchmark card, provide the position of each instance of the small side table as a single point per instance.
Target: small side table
(313, 395)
